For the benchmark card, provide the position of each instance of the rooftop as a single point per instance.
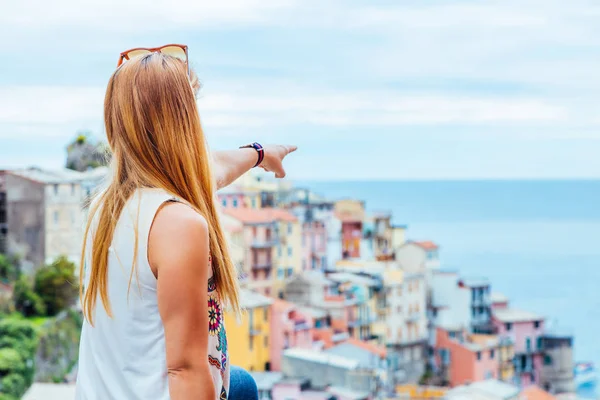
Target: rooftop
(260, 215)
(316, 313)
(50, 391)
(48, 176)
(474, 282)
(266, 380)
(321, 358)
(498, 297)
(426, 245)
(348, 393)
(535, 393)
(488, 389)
(514, 315)
(372, 348)
(342, 277)
(250, 299)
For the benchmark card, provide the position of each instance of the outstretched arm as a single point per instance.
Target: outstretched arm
(231, 164)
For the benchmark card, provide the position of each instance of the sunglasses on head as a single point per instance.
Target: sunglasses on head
(175, 50)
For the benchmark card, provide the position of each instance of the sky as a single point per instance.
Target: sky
(403, 89)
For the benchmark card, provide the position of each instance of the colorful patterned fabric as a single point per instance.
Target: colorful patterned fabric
(217, 339)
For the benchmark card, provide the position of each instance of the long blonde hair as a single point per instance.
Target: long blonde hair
(154, 132)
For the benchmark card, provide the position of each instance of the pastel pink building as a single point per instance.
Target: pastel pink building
(289, 328)
(464, 361)
(314, 245)
(524, 330)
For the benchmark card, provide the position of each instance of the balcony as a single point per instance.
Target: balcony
(361, 322)
(263, 243)
(301, 326)
(254, 331)
(262, 265)
(413, 316)
(484, 301)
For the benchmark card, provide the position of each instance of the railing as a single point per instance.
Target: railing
(263, 244)
(485, 301)
(263, 265)
(361, 322)
(413, 316)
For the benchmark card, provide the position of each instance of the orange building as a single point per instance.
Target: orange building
(463, 360)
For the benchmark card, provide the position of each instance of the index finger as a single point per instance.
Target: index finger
(290, 148)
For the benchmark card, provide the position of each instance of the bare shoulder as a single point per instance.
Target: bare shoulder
(178, 233)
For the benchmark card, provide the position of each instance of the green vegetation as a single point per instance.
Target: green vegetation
(29, 335)
(8, 269)
(18, 344)
(55, 285)
(26, 300)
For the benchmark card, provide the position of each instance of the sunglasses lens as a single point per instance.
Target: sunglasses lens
(174, 51)
(137, 53)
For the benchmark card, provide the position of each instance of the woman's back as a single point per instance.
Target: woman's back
(124, 356)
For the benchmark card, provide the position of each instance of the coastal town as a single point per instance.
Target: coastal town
(340, 302)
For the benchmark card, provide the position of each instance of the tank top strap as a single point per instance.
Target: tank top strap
(143, 207)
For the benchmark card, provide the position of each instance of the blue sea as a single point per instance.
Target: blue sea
(537, 241)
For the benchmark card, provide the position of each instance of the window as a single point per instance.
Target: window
(235, 203)
(452, 335)
(280, 273)
(508, 326)
(253, 201)
(251, 344)
(478, 356)
(224, 202)
(266, 314)
(547, 359)
(539, 343)
(492, 354)
(56, 216)
(536, 324)
(290, 228)
(266, 341)
(528, 344)
(72, 189)
(290, 271)
(55, 189)
(279, 252)
(289, 251)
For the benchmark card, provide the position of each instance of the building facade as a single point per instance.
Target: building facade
(351, 214)
(249, 340)
(44, 216)
(272, 244)
(524, 330)
(290, 327)
(556, 373)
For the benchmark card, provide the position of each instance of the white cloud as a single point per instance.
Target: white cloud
(138, 15)
(36, 111)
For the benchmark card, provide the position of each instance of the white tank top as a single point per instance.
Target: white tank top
(123, 358)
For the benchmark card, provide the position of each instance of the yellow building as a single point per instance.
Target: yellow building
(248, 339)
(506, 351)
(287, 255)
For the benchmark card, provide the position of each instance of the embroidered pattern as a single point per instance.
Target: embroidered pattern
(214, 316)
(214, 362)
(223, 394)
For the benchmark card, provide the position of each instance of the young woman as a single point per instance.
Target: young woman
(156, 274)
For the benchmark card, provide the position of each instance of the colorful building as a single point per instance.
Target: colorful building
(556, 373)
(43, 214)
(314, 245)
(236, 197)
(525, 330)
(272, 244)
(469, 360)
(290, 327)
(249, 340)
(505, 352)
(382, 235)
(351, 214)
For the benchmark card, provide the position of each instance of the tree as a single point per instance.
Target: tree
(13, 385)
(56, 285)
(26, 300)
(84, 153)
(8, 271)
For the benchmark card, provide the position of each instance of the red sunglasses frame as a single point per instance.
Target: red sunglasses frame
(125, 55)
